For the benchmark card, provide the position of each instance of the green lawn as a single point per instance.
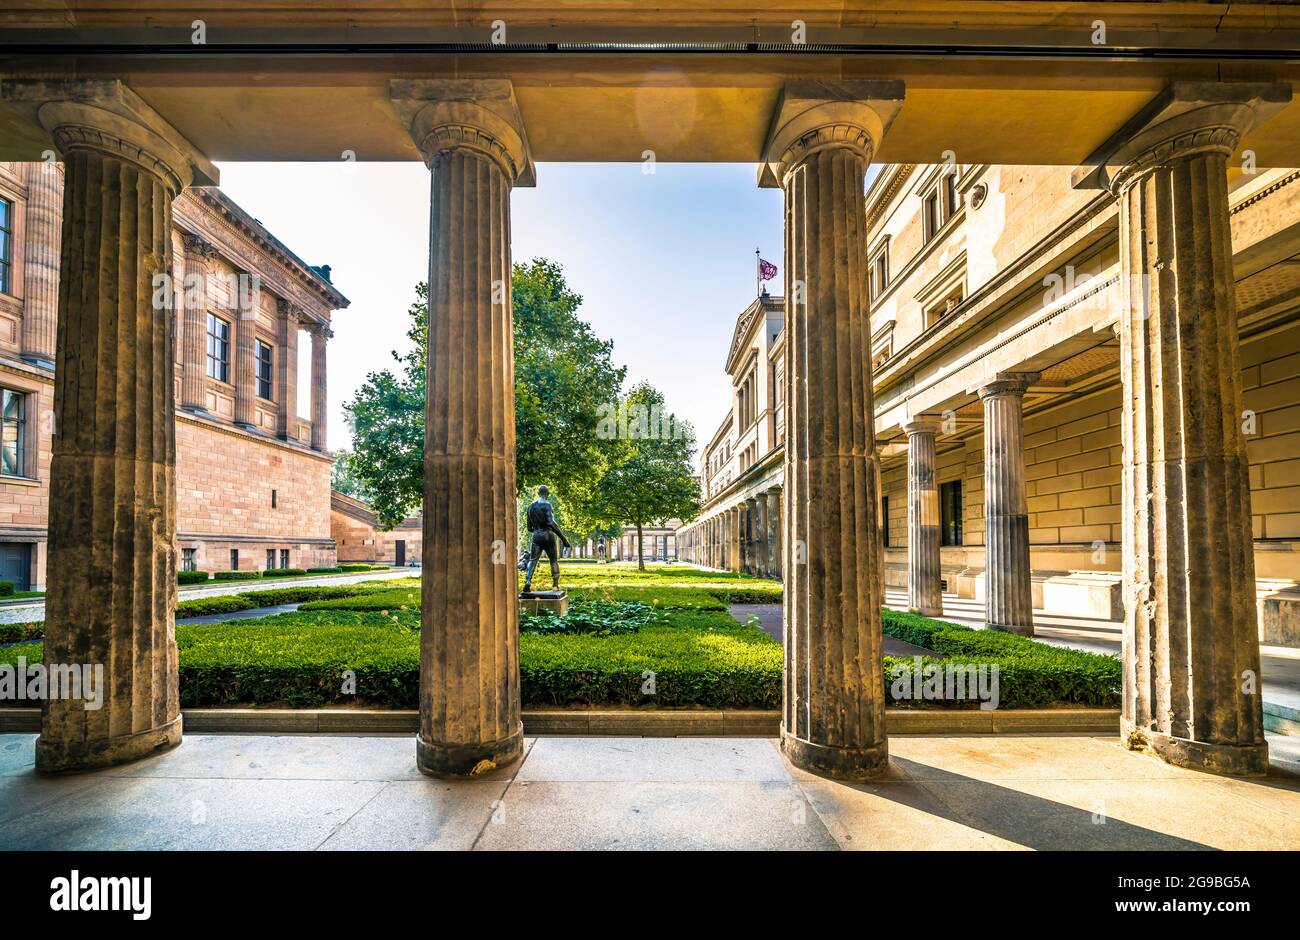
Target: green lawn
(687, 651)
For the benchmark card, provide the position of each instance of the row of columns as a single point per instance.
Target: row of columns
(199, 257)
(1190, 641)
(745, 538)
(1008, 588)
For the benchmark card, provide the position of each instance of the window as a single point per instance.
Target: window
(284, 558)
(270, 558)
(189, 562)
(930, 215)
(884, 521)
(218, 349)
(950, 513)
(13, 433)
(879, 271)
(263, 370)
(272, 499)
(234, 559)
(950, 199)
(6, 253)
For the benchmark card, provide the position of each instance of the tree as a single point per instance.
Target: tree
(344, 478)
(563, 374)
(648, 475)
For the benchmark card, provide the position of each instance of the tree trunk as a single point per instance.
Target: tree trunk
(640, 549)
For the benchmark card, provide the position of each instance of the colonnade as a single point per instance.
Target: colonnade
(1190, 640)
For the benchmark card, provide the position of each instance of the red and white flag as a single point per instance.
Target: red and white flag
(766, 270)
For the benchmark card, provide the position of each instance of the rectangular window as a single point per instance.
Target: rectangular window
(218, 349)
(13, 433)
(284, 558)
(6, 249)
(270, 558)
(188, 559)
(273, 499)
(950, 513)
(879, 274)
(884, 521)
(950, 201)
(930, 215)
(234, 559)
(263, 370)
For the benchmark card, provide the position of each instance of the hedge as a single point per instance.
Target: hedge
(6, 589)
(663, 597)
(334, 570)
(191, 577)
(22, 632)
(360, 567)
(284, 572)
(236, 575)
(1030, 674)
(251, 600)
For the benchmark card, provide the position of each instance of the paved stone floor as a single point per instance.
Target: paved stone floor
(318, 792)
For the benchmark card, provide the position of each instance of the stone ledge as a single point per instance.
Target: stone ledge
(618, 722)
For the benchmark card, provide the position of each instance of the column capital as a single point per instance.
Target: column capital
(106, 116)
(921, 424)
(318, 330)
(812, 116)
(1185, 119)
(198, 247)
(481, 115)
(1008, 383)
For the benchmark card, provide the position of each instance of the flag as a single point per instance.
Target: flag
(766, 270)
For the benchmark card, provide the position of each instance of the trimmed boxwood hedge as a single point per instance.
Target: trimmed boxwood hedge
(22, 632)
(697, 657)
(284, 573)
(236, 575)
(191, 577)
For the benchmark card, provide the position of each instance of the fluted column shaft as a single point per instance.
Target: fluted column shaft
(469, 653)
(41, 261)
(194, 382)
(286, 373)
(924, 591)
(1008, 587)
(750, 528)
(112, 508)
(245, 360)
(1191, 649)
(833, 719)
(320, 335)
(774, 533)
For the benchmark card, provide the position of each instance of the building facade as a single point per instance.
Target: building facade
(998, 396)
(252, 476)
(359, 537)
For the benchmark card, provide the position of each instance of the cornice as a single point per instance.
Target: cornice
(233, 431)
(877, 201)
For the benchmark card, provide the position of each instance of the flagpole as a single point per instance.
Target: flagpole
(758, 274)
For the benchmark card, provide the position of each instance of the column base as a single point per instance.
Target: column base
(1021, 629)
(53, 757)
(926, 611)
(1237, 760)
(838, 763)
(467, 760)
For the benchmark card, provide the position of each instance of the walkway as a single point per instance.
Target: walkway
(22, 613)
(313, 792)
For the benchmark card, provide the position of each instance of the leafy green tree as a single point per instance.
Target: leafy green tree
(647, 478)
(563, 374)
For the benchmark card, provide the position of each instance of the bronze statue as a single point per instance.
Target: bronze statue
(544, 528)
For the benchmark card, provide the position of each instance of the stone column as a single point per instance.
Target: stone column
(1008, 589)
(924, 591)
(824, 135)
(472, 137)
(194, 335)
(112, 506)
(762, 548)
(749, 529)
(738, 539)
(1191, 649)
(774, 533)
(41, 261)
(286, 373)
(246, 358)
(320, 335)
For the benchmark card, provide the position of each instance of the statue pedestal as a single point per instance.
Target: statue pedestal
(533, 602)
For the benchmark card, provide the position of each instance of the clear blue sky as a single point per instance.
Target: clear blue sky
(664, 261)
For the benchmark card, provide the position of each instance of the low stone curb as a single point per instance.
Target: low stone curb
(618, 722)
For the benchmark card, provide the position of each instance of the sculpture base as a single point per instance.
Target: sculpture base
(534, 602)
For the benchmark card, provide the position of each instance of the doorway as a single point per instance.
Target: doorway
(16, 564)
